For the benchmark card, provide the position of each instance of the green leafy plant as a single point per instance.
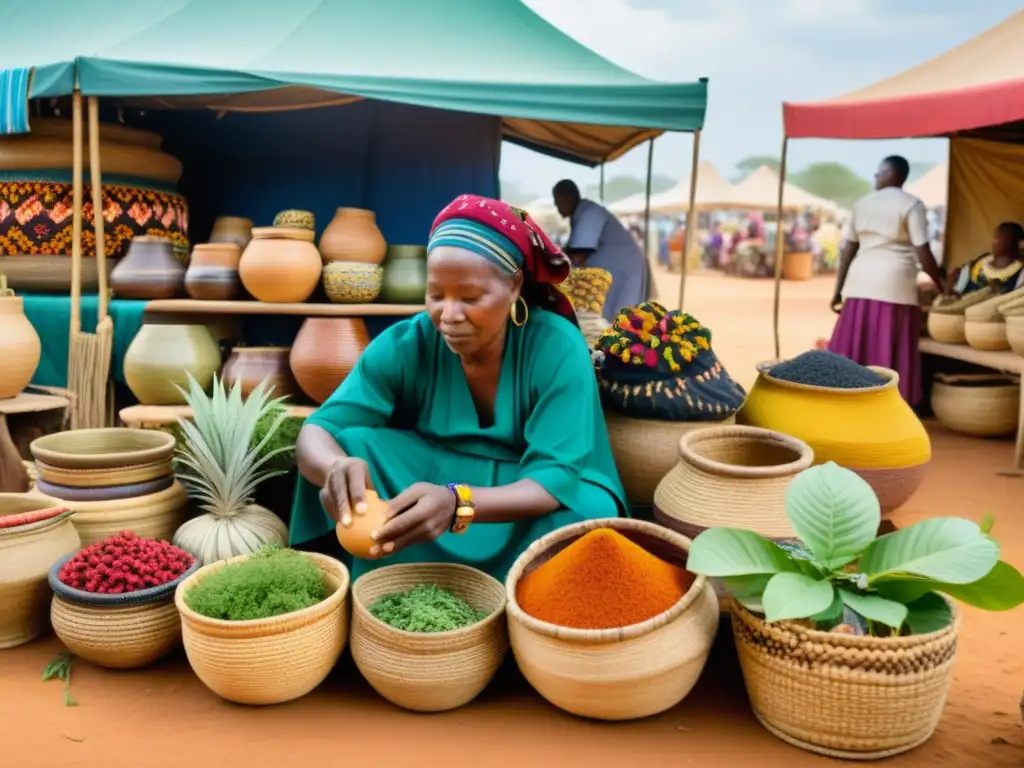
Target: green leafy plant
(60, 669)
(893, 582)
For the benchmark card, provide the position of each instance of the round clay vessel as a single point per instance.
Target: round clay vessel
(324, 351)
(280, 265)
(212, 274)
(20, 348)
(294, 218)
(232, 229)
(351, 282)
(352, 235)
(162, 356)
(251, 365)
(405, 275)
(149, 270)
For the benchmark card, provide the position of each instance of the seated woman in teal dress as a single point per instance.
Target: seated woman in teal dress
(490, 394)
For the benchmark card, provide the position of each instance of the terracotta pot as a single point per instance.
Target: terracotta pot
(162, 356)
(251, 365)
(213, 272)
(405, 275)
(232, 229)
(19, 344)
(351, 282)
(49, 274)
(324, 351)
(149, 271)
(280, 265)
(352, 235)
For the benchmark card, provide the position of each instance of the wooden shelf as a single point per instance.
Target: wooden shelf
(1006, 362)
(194, 306)
(163, 415)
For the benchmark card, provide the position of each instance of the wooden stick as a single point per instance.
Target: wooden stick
(647, 218)
(76, 217)
(96, 182)
(779, 250)
(691, 219)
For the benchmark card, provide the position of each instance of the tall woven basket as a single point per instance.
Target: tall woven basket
(855, 698)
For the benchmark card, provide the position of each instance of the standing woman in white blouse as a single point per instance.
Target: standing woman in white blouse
(876, 289)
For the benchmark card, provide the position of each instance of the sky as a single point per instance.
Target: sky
(757, 54)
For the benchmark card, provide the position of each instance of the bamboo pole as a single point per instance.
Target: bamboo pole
(691, 218)
(76, 219)
(104, 341)
(779, 251)
(647, 293)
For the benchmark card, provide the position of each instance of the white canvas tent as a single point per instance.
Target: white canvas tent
(761, 190)
(932, 187)
(713, 193)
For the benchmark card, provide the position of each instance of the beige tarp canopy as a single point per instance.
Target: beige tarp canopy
(713, 193)
(932, 187)
(761, 190)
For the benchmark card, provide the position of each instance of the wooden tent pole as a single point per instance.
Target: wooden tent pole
(76, 214)
(647, 201)
(779, 243)
(601, 191)
(691, 218)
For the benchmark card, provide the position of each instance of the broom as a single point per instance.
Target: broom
(89, 355)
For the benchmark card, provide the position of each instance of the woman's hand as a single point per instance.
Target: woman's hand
(344, 492)
(837, 303)
(420, 513)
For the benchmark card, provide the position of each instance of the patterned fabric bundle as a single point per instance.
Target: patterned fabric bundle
(656, 364)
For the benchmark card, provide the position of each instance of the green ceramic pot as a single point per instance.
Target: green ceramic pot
(405, 275)
(161, 356)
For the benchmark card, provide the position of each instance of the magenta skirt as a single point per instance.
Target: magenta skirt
(878, 333)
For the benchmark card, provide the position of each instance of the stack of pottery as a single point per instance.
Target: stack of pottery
(232, 230)
(352, 249)
(114, 480)
(280, 264)
(20, 348)
(325, 351)
(405, 275)
(251, 365)
(149, 271)
(212, 273)
(161, 357)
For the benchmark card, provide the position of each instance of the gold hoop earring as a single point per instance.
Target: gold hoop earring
(514, 314)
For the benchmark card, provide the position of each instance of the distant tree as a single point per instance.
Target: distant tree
(748, 165)
(917, 170)
(620, 187)
(833, 181)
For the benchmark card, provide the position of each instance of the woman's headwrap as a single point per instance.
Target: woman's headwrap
(511, 240)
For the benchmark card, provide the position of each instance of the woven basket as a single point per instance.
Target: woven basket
(734, 477)
(100, 478)
(267, 661)
(946, 316)
(615, 674)
(104, 448)
(124, 631)
(860, 698)
(1015, 332)
(26, 553)
(429, 671)
(987, 335)
(645, 450)
(1013, 306)
(978, 404)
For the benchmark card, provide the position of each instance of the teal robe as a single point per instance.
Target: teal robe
(406, 409)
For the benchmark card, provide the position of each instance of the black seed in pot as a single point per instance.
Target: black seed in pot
(820, 368)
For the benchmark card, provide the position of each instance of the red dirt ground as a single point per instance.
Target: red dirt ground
(163, 717)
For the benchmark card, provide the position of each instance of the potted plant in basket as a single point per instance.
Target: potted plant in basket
(847, 640)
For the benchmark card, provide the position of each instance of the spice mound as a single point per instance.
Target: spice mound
(271, 582)
(124, 563)
(821, 368)
(426, 608)
(601, 581)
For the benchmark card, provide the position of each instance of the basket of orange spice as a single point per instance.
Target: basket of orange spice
(605, 622)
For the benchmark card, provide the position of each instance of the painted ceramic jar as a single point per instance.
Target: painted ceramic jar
(251, 365)
(232, 229)
(871, 431)
(325, 351)
(20, 347)
(352, 235)
(348, 282)
(162, 356)
(212, 274)
(149, 271)
(280, 265)
(405, 275)
(295, 218)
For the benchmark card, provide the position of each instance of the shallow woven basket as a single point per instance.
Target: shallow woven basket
(734, 477)
(267, 661)
(946, 316)
(987, 335)
(615, 674)
(104, 448)
(645, 450)
(978, 404)
(429, 671)
(1014, 306)
(1015, 333)
(859, 698)
(100, 478)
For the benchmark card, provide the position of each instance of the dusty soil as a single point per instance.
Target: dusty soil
(163, 716)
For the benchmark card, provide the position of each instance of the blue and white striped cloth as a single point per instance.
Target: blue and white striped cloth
(14, 85)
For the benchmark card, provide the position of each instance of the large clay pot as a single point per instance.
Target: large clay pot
(149, 271)
(280, 265)
(232, 229)
(251, 365)
(325, 351)
(162, 356)
(352, 235)
(871, 431)
(797, 265)
(405, 275)
(213, 272)
(19, 344)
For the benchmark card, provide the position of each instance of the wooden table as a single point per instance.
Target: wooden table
(1004, 362)
(13, 476)
(159, 416)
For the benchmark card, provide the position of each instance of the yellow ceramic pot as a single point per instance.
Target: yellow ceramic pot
(162, 356)
(871, 431)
